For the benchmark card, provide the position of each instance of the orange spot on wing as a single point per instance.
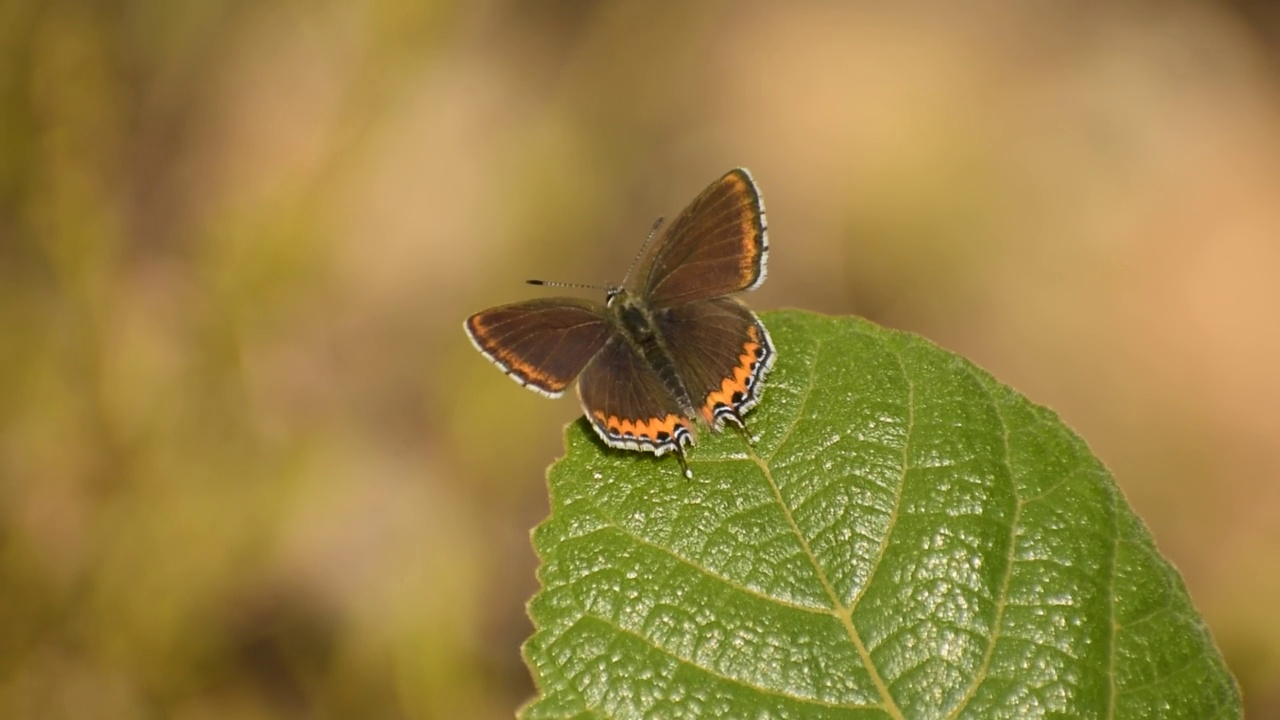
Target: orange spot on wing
(646, 429)
(736, 382)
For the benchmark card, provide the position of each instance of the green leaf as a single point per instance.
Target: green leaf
(907, 538)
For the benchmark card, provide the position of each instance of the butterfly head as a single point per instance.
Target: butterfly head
(613, 293)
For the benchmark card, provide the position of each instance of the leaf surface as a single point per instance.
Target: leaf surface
(906, 538)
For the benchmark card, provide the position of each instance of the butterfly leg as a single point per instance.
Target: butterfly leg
(734, 417)
(684, 464)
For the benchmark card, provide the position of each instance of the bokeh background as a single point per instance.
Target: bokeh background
(251, 468)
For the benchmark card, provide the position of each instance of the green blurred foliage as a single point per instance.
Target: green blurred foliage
(250, 467)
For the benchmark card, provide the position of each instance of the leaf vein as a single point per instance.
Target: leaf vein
(1002, 598)
(897, 491)
(732, 584)
(1111, 596)
(689, 662)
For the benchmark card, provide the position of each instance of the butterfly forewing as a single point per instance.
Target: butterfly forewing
(717, 245)
(722, 352)
(542, 344)
(627, 403)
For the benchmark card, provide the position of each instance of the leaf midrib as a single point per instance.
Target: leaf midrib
(838, 608)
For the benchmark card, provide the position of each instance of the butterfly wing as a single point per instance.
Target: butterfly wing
(627, 404)
(542, 344)
(722, 352)
(717, 245)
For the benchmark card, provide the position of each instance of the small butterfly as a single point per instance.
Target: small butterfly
(668, 351)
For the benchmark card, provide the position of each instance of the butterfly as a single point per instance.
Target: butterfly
(663, 353)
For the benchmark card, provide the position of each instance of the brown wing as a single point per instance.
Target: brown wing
(716, 246)
(627, 404)
(722, 352)
(542, 344)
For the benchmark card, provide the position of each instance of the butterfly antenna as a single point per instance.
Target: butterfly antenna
(552, 283)
(652, 231)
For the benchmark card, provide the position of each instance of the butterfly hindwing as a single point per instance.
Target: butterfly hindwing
(542, 344)
(627, 404)
(722, 352)
(716, 246)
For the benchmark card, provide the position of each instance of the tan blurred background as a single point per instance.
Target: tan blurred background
(251, 468)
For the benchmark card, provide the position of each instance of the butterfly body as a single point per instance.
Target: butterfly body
(637, 324)
(663, 354)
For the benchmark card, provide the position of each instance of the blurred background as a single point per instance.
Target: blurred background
(250, 467)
